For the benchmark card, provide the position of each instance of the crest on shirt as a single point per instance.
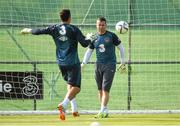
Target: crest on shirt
(107, 39)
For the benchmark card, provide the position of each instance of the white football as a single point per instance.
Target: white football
(122, 27)
(94, 124)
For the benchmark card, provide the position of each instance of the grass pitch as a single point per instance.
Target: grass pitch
(86, 120)
(153, 86)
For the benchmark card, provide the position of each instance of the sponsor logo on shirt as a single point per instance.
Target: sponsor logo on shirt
(63, 38)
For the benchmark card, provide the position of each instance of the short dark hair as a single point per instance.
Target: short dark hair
(65, 14)
(102, 19)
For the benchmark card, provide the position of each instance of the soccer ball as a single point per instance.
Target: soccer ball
(122, 27)
(95, 124)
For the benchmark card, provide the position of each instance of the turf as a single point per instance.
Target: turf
(86, 120)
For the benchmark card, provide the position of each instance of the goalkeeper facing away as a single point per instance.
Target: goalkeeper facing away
(105, 66)
(66, 37)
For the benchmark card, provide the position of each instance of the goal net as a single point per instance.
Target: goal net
(152, 50)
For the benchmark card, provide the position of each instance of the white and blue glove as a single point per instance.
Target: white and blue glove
(26, 31)
(122, 68)
(91, 36)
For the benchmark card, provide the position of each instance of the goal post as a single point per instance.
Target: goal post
(152, 50)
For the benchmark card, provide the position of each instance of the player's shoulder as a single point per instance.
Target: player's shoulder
(52, 27)
(110, 32)
(71, 25)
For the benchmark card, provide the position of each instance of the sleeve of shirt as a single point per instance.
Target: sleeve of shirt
(47, 30)
(116, 40)
(81, 38)
(87, 56)
(121, 52)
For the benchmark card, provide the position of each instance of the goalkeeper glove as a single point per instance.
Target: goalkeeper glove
(122, 68)
(82, 64)
(26, 31)
(91, 36)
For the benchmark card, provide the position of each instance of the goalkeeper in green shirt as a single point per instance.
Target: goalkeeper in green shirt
(66, 37)
(105, 66)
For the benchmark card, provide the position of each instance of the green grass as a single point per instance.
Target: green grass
(86, 120)
(153, 86)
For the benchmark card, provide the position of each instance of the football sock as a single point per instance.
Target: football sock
(106, 110)
(102, 108)
(65, 102)
(73, 105)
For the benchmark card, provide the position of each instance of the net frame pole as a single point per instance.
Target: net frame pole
(129, 97)
(34, 101)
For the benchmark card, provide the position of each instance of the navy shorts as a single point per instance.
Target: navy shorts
(71, 74)
(104, 75)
